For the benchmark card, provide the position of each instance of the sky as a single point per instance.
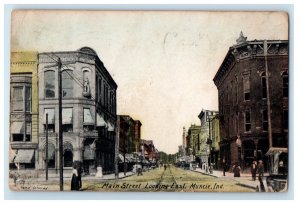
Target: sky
(163, 62)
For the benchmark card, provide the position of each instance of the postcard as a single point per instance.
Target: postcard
(149, 101)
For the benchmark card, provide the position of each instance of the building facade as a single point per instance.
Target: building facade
(194, 147)
(137, 135)
(246, 119)
(215, 139)
(88, 110)
(206, 117)
(24, 110)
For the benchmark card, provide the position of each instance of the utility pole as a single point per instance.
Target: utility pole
(117, 148)
(268, 95)
(183, 144)
(47, 147)
(60, 135)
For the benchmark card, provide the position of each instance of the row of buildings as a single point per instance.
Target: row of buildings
(252, 84)
(89, 117)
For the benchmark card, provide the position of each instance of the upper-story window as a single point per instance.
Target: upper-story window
(20, 131)
(265, 120)
(247, 121)
(236, 90)
(264, 85)
(21, 98)
(246, 85)
(49, 77)
(67, 83)
(285, 84)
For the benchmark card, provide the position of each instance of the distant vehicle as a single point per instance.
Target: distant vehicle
(278, 171)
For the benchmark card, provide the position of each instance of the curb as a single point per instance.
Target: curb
(205, 173)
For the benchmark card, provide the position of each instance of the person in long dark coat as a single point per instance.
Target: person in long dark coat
(253, 170)
(224, 167)
(79, 172)
(260, 169)
(74, 181)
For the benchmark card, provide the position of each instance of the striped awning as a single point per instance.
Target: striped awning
(24, 156)
(17, 128)
(100, 121)
(121, 158)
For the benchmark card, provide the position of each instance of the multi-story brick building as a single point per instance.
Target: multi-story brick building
(137, 135)
(242, 79)
(88, 110)
(24, 110)
(206, 117)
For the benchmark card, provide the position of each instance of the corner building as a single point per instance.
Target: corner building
(242, 90)
(88, 111)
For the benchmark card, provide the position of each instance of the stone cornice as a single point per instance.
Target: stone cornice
(249, 50)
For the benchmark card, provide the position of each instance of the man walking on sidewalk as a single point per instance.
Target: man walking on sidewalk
(253, 170)
(224, 167)
(260, 169)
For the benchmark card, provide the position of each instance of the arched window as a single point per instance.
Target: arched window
(264, 85)
(285, 84)
(49, 78)
(51, 155)
(68, 155)
(67, 83)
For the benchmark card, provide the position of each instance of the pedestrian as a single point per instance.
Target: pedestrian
(79, 172)
(224, 167)
(260, 169)
(74, 181)
(139, 169)
(236, 170)
(253, 170)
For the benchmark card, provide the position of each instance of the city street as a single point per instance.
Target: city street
(170, 180)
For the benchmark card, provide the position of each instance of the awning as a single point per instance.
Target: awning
(100, 121)
(130, 158)
(51, 152)
(12, 155)
(274, 150)
(89, 153)
(111, 127)
(51, 118)
(121, 158)
(24, 156)
(87, 116)
(17, 127)
(67, 115)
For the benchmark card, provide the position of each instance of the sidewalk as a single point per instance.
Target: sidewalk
(244, 180)
(54, 178)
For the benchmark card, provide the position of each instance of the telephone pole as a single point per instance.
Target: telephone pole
(60, 135)
(268, 95)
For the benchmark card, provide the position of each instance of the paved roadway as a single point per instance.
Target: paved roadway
(171, 179)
